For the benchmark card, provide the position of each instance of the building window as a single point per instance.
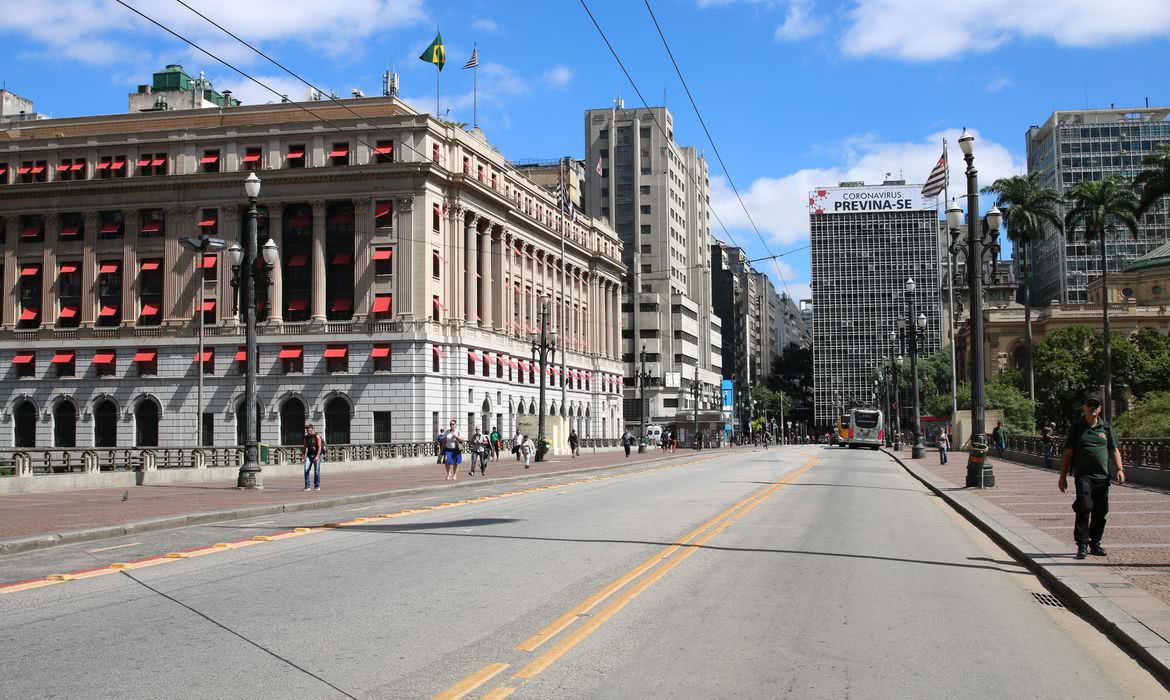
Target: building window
(71, 169)
(644, 132)
(436, 264)
(296, 156)
(69, 293)
(105, 363)
(253, 159)
(26, 364)
(383, 306)
(384, 152)
(292, 359)
(209, 266)
(435, 152)
(337, 358)
(4, 174)
(605, 211)
(644, 189)
(153, 223)
(208, 360)
(384, 214)
(645, 209)
(146, 360)
(466, 165)
(436, 218)
(112, 225)
(339, 154)
(382, 357)
(605, 192)
(436, 305)
(208, 222)
(207, 425)
(646, 229)
(152, 164)
(32, 228)
(109, 293)
(383, 423)
(209, 306)
(150, 289)
(383, 261)
(111, 167)
(209, 163)
(33, 171)
(65, 363)
(30, 296)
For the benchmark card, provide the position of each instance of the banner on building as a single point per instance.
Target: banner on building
(868, 200)
(728, 396)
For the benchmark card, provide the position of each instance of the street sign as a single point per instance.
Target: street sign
(673, 380)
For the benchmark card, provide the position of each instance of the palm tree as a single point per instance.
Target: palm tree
(1154, 178)
(1099, 205)
(1027, 207)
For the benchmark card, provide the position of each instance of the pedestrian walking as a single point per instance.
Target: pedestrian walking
(516, 440)
(574, 441)
(527, 448)
(485, 453)
(439, 446)
(494, 439)
(1048, 437)
(1088, 449)
(452, 442)
(944, 446)
(312, 450)
(477, 444)
(999, 437)
(627, 440)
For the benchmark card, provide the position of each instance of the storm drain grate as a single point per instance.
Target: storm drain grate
(1047, 599)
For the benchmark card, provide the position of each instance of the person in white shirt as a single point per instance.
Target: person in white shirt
(516, 440)
(527, 448)
(452, 451)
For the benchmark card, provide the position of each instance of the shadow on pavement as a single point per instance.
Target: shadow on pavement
(392, 527)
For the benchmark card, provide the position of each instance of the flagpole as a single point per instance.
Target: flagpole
(951, 293)
(475, 88)
(564, 337)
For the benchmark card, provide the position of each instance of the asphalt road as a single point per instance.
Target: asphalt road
(805, 573)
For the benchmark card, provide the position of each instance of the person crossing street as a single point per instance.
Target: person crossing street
(1088, 449)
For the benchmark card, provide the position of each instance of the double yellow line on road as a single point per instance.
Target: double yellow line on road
(642, 576)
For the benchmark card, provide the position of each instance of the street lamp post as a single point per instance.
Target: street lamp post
(244, 272)
(643, 378)
(917, 325)
(544, 347)
(982, 238)
(895, 361)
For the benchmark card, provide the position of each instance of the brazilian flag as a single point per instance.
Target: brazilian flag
(435, 53)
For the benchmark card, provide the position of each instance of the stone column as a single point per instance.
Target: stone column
(615, 327)
(318, 293)
(89, 269)
(11, 271)
(471, 277)
(451, 244)
(130, 267)
(486, 280)
(407, 260)
(363, 262)
(230, 227)
(276, 291)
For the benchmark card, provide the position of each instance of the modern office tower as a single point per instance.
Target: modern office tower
(1078, 145)
(737, 298)
(866, 242)
(656, 195)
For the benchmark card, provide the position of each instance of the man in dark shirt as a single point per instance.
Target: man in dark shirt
(1087, 450)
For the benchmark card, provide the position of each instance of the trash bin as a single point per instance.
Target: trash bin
(262, 457)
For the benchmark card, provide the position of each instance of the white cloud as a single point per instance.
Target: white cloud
(916, 30)
(798, 24)
(779, 205)
(558, 76)
(250, 93)
(499, 85)
(1000, 84)
(484, 24)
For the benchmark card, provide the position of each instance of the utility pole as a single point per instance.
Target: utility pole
(695, 392)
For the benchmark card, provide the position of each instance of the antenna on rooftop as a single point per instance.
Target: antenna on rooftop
(390, 83)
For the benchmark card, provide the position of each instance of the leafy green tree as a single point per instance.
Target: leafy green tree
(1028, 209)
(1154, 357)
(1100, 206)
(997, 395)
(1065, 374)
(1154, 179)
(1149, 417)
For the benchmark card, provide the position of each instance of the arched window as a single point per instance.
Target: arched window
(105, 424)
(487, 416)
(65, 424)
(292, 421)
(24, 415)
(240, 427)
(336, 421)
(146, 424)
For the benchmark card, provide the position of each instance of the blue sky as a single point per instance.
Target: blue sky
(797, 93)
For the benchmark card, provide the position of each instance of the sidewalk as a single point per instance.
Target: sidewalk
(1126, 593)
(33, 521)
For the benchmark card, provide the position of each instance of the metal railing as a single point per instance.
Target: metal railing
(1149, 453)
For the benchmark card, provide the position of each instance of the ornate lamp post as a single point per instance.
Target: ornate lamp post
(643, 378)
(917, 325)
(244, 270)
(544, 347)
(982, 242)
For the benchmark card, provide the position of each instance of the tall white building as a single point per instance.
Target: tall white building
(656, 195)
(866, 242)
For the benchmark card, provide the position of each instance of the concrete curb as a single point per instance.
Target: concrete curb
(43, 541)
(1019, 540)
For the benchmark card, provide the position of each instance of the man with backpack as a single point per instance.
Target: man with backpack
(1087, 451)
(312, 450)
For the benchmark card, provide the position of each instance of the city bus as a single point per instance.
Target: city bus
(841, 433)
(865, 428)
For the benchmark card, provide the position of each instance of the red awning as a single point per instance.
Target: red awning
(108, 311)
(471, 355)
(23, 358)
(208, 356)
(152, 226)
(298, 304)
(37, 169)
(30, 270)
(118, 164)
(3, 168)
(209, 158)
(150, 309)
(339, 152)
(209, 305)
(159, 161)
(78, 166)
(62, 167)
(70, 229)
(24, 170)
(383, 253)
(30, 232)
(336, 352)
(291, 353)
(29, 314)
(68, 312)
(111, 227)
(300, 220)
(298, 261)
(241, 354)
(209, 261)
(438, 351)
(342, 217)
(383, 150)
(103, 358)
(341, 305)
(107, 268)
(150, 265)
(145, 355)
(143, 162)
(382, 303)
(251, 157)
(298, 152)
(63, 357)
(382, 209)
(208, 222)
(343, 258)
(380, 351)
(489, 359)
(103, 165)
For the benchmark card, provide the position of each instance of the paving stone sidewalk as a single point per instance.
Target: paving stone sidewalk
(90, 511)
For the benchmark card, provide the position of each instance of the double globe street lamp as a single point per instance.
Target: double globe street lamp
(544, 348)
(982, 242)
(244, 271)
(917, 325)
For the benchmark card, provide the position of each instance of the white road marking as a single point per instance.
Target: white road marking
(117, 546)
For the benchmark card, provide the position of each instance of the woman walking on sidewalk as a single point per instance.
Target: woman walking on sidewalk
(944, 445)
(452, 452)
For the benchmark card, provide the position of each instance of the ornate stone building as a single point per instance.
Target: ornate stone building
(413, 262)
